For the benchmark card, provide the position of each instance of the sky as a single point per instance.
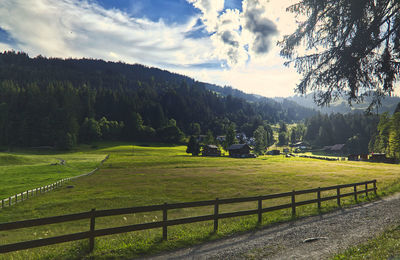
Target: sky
(225, 42)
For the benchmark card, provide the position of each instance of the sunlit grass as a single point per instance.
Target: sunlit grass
(385, 246)
(143, 175)
(20, 172)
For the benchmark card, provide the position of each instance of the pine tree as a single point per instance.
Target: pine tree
(193, 146)
(353, 48)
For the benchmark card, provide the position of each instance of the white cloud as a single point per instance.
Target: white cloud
(210, 10)
(69, 28)
(264, 76)
(81, 28)
(237, 35)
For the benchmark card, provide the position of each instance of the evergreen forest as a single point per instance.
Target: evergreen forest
(61, 102)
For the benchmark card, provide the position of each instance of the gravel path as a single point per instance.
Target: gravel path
(317, 237)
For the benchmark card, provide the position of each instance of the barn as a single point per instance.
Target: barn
(211, 150)
(353, 157)
(240, 151)
(274, 152)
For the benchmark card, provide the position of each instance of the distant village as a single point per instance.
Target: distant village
(244, 150)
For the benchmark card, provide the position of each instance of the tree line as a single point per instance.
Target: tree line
(354, 130)
(57, 102)
(386, 139)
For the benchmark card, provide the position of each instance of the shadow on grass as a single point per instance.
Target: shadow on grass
(250, 227)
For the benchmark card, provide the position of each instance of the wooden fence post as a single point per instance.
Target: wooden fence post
(216, 210)
(259, 210)
(2, 203)
(92, 228)
(165, 218)
(355, 193)
(366, 189)
(375, 188)
(293, 204)
(16, 198)
(9, 201)
(319, 198)
(338, 196)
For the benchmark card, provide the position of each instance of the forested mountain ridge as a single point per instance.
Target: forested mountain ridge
(388, 104)
(51, 101)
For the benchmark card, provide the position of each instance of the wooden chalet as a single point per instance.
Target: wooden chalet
(378, 157)
(353, 157)
(240, 151)
(274, 152)
(211, 150)
(381, 157)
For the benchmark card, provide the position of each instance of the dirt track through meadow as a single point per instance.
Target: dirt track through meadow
(317, 237)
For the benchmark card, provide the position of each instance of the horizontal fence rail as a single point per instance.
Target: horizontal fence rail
(22, 196)
(165, 223)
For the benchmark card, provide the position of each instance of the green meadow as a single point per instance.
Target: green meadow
(21, 171)
(144, 175)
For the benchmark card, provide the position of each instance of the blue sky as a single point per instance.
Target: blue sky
(227, 42)
(171, 11)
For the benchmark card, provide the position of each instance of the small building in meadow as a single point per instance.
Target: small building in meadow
(298, 144)
(353, 157)
(274, 152)
(337, 147)
(240, 151)
(221, 138)
(381, 157)
(210, 150)
(364, 157)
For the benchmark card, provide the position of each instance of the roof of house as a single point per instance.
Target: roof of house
(212, 146)
(337, 147)
(237, 146)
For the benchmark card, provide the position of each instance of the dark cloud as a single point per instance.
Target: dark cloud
(261, 27)
(228, 38)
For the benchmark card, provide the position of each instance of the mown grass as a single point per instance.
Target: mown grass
(21, 171)
(143, 175)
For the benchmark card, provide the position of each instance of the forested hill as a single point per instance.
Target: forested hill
(48, 101)
(388, 104)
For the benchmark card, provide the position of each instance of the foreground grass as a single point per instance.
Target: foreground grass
(385, 246)
(140, 175)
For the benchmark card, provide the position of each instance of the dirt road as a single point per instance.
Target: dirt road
(317, 237)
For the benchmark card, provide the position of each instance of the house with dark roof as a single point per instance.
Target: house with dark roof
(240, 151)
(210, 150)
(334, 148)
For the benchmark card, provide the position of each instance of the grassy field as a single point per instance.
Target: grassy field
(141, 175)
(21, 171)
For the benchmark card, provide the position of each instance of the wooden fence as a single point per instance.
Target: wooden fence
(21, 196)
(165, 223)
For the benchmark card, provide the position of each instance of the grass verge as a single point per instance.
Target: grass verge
(385, 246)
